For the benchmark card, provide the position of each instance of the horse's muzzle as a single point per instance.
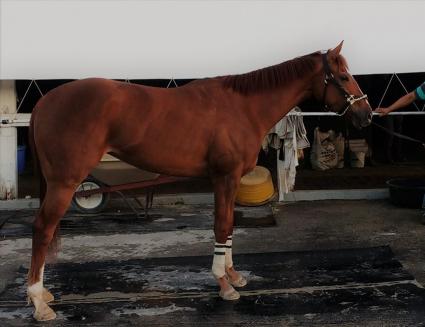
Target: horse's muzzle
(368, 120)
(362, 117)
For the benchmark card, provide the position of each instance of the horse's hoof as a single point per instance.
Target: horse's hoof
(47, 296)
(44, 313)
(239, 282)
(230, 295)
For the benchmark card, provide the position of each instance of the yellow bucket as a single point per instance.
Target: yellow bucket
(256, 187)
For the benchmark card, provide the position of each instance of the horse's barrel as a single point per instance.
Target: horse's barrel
(256, 187)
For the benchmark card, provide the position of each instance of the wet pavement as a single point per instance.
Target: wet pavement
(122, 221)
(327, 263)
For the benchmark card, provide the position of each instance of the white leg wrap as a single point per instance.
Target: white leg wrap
(229, 260)
(35, 294)
(36, 289)
(219, 260)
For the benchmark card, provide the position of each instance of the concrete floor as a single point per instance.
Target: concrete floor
(301, 226)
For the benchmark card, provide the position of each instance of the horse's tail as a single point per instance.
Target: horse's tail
(55, 242)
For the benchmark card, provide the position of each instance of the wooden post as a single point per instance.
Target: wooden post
(8, 143)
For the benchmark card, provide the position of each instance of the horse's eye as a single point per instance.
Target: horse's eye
(344, 78)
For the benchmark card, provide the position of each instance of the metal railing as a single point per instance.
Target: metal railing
(22, 120)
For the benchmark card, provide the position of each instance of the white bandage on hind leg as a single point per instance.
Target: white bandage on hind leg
(219, 260)
(228, 257)
(36, 289)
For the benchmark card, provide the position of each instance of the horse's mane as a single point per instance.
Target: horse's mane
(271, 77)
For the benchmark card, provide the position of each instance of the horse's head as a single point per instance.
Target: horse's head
(339, 91)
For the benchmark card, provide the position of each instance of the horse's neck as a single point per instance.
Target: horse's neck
(270, 107)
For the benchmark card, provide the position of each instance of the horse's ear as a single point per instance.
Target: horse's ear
(335, 52)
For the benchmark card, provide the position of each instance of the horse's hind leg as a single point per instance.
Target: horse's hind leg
(54, 206)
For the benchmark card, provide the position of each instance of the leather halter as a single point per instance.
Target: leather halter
(350, 99)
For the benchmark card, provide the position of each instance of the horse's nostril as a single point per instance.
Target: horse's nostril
(366, 119)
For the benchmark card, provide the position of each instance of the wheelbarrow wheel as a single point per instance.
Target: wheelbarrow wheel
(94, 203)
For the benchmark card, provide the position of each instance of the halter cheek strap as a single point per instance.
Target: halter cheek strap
(330, 78)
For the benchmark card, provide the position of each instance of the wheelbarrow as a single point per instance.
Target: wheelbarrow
(114, 176)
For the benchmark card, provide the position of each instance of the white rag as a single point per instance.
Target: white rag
(291, 131)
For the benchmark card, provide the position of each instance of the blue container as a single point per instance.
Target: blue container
(21, 158)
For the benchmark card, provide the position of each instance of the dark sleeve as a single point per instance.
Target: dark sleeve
(420, 92)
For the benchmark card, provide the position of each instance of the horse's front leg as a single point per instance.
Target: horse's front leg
(225, 192)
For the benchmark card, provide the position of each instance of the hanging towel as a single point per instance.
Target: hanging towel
(288, 135)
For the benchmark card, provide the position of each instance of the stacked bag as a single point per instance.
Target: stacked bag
(358, 149)
(328, 151)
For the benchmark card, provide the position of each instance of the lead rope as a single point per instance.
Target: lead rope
(401, 136)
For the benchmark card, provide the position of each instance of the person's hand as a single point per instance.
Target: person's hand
(382, 111)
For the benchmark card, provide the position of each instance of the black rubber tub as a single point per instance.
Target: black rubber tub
(407, 192)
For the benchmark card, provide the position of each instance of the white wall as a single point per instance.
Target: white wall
(184, 39)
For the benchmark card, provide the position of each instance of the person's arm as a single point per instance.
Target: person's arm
(400, 103)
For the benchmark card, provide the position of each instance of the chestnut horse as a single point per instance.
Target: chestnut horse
(211, 127)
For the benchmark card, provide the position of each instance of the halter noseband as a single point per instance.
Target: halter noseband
(330, 78)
